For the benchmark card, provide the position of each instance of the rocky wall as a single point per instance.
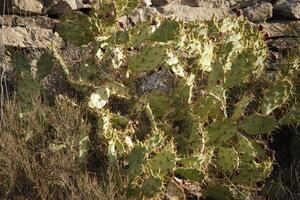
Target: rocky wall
(31, 23)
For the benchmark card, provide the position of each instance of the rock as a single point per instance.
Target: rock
(22, 6)
(35, 21)
(288, 9)
(160, 2)
(142, 14)
(187, 13)
(158, 81)
(259, 12)
(283, 44)
(207, 3)
(282, 29)
(29, 37)
(234, 4)
(60, 7)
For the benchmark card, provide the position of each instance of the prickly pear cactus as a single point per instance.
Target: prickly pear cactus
(204, 128)
(29, 88)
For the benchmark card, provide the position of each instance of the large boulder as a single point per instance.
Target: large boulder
(288, 9)
(279, 29)
(188, 13)
(28, 37)
(259, 12)
(30, 22)
(22, 6)
(160, 2)
(60, 7)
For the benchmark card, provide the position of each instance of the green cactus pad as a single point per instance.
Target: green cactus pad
(87, 70)
(140, 33)
(292, 117)
(148, 59)
(20, 63)
(217, 73)
(45, 64)
(258, 124)
(168, 30)
(254, 173)
(208, 106)
(220, 132)
(162, 163)
(245, 148)
(76, 28)
(28, 91)
(240, 69)
(240, 107)
(160, 103)
(136, 159)
(276, 95)
(227, 159)
(218, 192)
(151, 186)
(190, 174)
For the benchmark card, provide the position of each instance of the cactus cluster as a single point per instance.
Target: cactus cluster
(29, 87)
(203, 130)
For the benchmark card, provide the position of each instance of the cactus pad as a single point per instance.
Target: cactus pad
(162, 163)
(256, 124)
(136, 160)
(275, 96)
(220, 132)
(168, 30)
(45, 64)
(218, 192)
(151, 186)
(227, 159)
(190, 174)
(76, 28)
(149, 59)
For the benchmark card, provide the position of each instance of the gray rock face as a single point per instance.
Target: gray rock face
(28, 37)
(59, 7)
(159, 81)
(282, 29)
(160, 2)
(242, 3)
(30, 22)
(283, 44)
(288, 9)
(22, 6)
(259, 12)
(188, 13)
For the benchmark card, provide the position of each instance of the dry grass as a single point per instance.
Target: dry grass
(286, 184)
(40, 156)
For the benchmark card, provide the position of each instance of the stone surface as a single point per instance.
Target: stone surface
(187, 13)
(59, 7)
(159, 81)
(282, 29)
(22, 6)
(142, 14)
(242, 3)
(259, 12)
(161, 2)
(288, 9)
(206, 3)
(35, 21)
(284, 44)
(28, 37)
